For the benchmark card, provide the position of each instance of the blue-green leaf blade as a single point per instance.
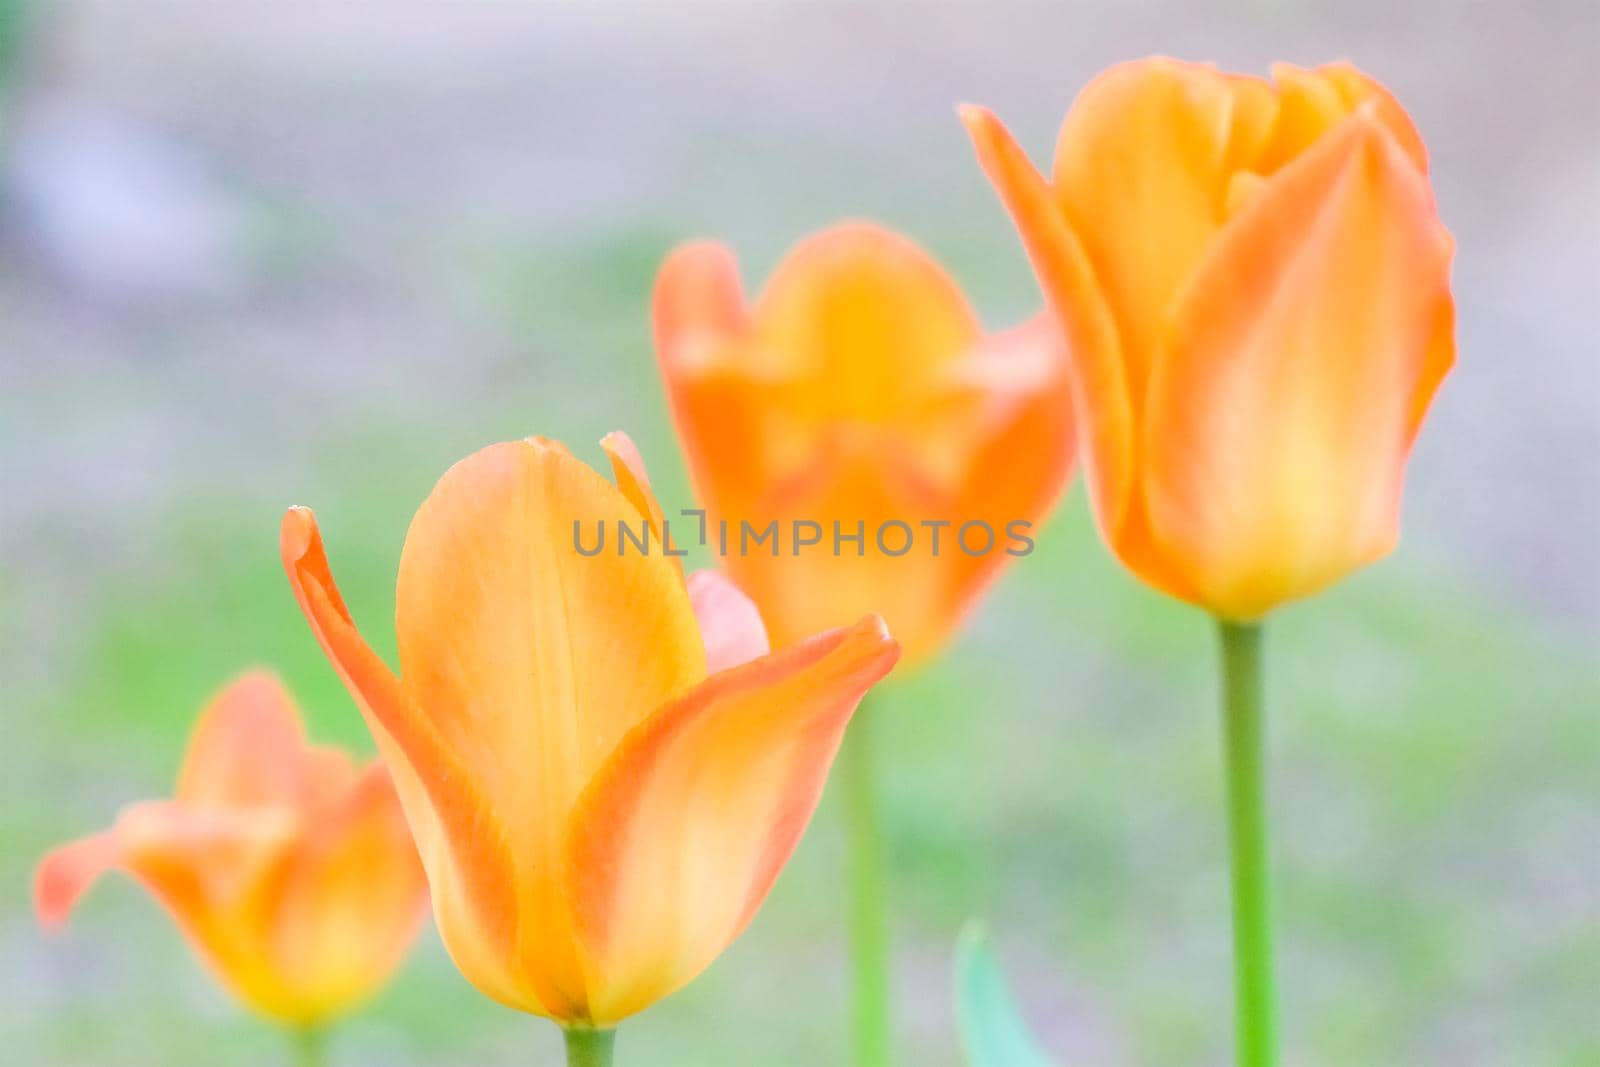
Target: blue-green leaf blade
(993, 1032)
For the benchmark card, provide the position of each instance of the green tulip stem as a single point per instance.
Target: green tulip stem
(588, 1047)
(869, 911)
(1255, 1010)
(310, 1046)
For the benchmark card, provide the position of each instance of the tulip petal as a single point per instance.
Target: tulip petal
(730, 624)
(1021, 470)
(627, 466)
(852, 534)
(1141, 173)
(1308, 107)
(863, 319)
(698, 303)
(857, 330)
(1105, 414)
(194, 859)
(500, 618)
(859, 388)
(209, 868)
(67, 873)
(851, 342)
(699, 317)
(1313, 102)
(532, 660)
(680, 835)
(720, 416)
(202, 864)
(461, 841)
(248, 747)
(1295, 368)
(1359, 88)
(355, 884)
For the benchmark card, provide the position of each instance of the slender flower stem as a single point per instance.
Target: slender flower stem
(588, 1047)
(1254, 1007)
(869, 913)
(310, 1046)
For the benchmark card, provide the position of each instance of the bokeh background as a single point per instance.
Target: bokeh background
(254, 255)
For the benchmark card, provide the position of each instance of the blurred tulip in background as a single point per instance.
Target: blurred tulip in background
(287, 865)
(860, 393)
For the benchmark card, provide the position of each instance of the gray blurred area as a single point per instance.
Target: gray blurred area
(304, 187)
(253, 255)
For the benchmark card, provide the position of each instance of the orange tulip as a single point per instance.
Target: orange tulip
(859, 393)
(602, 767)
(1254, 283)
(287, 866)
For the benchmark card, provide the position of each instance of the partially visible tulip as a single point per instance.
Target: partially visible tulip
(288, 866)
(1254, 283)
(859, 392)
(603, 767)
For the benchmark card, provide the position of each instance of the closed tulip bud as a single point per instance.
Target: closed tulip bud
(1254, 285)
(901, 455)
(288, 866)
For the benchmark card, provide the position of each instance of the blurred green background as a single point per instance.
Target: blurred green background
(255, 255)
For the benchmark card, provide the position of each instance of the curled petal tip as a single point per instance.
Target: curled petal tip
(873, 632)
(297, 531)
(541, 444)
(631, 477)
(255, 676)
(700, 247)
(699, 258)
(620, 447)
(694, 267)
(880, 628)
(973, 115)
(52, 898)
(982, 124)
(1001, 157)
(66, 873)
(697, 295)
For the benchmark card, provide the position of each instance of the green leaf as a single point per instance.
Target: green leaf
(993, 1031)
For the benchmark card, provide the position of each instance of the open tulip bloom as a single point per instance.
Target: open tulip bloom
(859, 391)
(1253, 282)
(288, 866)
(603, 766)
(859, 397)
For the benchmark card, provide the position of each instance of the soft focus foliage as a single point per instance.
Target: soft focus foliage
(993, 1031)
